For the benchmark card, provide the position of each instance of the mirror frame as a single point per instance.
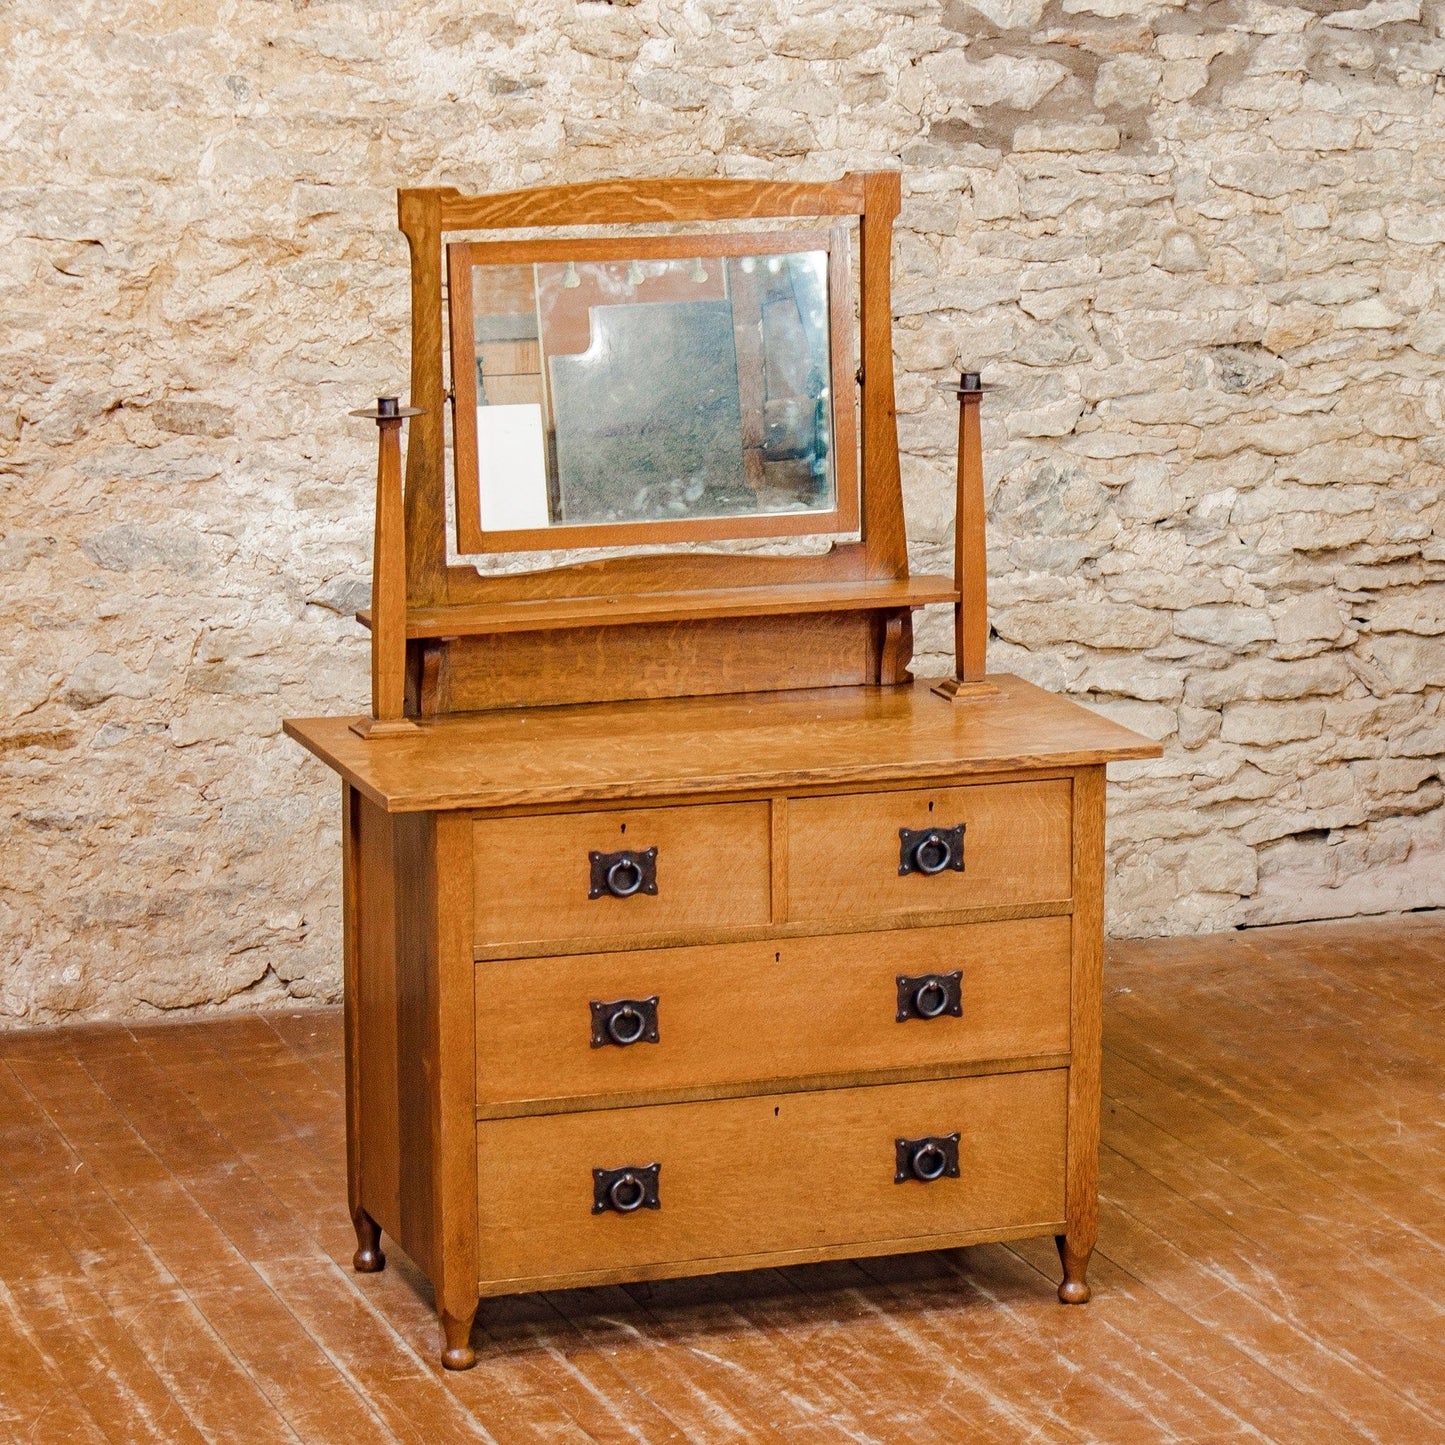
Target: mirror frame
(841, 518)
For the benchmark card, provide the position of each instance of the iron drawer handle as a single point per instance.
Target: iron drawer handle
(625, 1190)
(621, 875)
(624, 878)
(624, 1022)
(930, 999)
(930, 850)
(930, 995)
(933, 1157)
(626, 1194)
(626, 1025)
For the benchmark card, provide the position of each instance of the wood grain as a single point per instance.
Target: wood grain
(785, 1172)
(1086, 1023)
(625, 608)
(759, 744)
(533, 875)
(769, 1011)
(643, 201)
(651, 661)
(843, 851)
(419, 217)
(883, 528)
(970, 550)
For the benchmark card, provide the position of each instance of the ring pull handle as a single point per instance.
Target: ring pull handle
(933, 1157)
(621, 875)
(930, 995)
(930, 850)
(624, 1022)
(625, 1190)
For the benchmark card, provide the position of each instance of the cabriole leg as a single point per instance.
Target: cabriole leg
(458, 1353)
(368, 1258)
(1075, 1258)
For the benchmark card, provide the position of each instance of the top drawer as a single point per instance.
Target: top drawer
(847, 858)
(656, 870)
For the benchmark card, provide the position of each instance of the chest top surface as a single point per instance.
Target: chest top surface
(538, 757)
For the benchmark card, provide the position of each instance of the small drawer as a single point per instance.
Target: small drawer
(740, 1179)
(863, 855)
(621, 875)
(664, 1019)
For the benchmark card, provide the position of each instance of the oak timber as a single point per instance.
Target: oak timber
(620, 609)
(722, 745)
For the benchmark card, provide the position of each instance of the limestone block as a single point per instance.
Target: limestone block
(100, 676)
(1420, 610)
(1262, 679)
(1101, 624)
(1010, 14)
(1411, 663)
(1374, 15)
(1315, 617)
(1114, 9)
(1267, 724)
(1128, 80)
(1019, 82)
(1232, 627)
(1074, 138)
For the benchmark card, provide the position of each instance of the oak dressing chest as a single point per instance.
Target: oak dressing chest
(684, 931)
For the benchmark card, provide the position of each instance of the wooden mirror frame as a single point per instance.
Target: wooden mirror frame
(840, 518)
(448, 639)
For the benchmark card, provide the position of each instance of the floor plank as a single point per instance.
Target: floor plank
(175, 1250)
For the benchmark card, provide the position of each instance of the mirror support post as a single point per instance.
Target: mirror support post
(970, 554)
(388, 578)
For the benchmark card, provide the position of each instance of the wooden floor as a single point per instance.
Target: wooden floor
(174, 1249)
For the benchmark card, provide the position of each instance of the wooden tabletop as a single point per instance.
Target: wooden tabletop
(740, 743)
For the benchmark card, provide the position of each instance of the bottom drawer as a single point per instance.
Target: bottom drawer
(740, 1178)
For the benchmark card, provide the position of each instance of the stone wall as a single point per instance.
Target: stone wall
(1195, 247)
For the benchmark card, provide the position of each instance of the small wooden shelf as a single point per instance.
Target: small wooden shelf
(619, 610)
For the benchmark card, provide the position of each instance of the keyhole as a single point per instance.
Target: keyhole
(624, 826)
(777, 958)
(930, 806)
(775, 1113)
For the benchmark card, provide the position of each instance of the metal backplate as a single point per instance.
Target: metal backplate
(935, 1156)
(928, 995)
(621, 875)
(930, 850)
(617, 1189)
(624, 1022)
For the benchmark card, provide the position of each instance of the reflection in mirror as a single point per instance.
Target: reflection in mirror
(653, 390)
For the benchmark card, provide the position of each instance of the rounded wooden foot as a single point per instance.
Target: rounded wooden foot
(457, 1351)
(458, 1357)
(1074, 1290)
(368, 1258)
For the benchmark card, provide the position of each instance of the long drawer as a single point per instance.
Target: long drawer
(615, 875)
(747, 1177)
(549, 1030)
(862, 855)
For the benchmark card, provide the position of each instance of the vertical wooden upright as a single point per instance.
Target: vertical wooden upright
(1086, 1047)
(970, 554)
(388, 578)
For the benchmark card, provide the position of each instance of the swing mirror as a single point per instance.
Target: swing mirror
(652, 389)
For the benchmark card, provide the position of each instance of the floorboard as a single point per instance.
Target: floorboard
(175, 1251)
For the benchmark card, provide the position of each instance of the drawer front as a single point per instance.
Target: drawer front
(536, 877)
(731, 1013)
(845, 853)
(775, 1172)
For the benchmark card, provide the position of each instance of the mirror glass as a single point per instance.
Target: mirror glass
(653, 390)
